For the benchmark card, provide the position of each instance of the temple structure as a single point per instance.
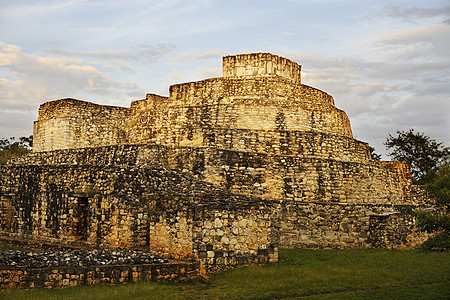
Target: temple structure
(223, 170)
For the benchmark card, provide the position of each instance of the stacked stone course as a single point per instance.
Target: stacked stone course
(223, 171)
(267, 175)
(62, 123)
(260, 64)
(61, 277)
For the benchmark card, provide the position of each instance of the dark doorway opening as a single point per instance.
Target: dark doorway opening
(81, 217)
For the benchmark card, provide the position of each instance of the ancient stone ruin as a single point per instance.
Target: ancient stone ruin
(223, 171)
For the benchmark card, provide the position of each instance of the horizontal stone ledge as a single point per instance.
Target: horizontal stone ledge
(81, 195)
(61, 277)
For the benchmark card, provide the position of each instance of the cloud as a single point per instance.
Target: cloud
(364, 85)
(430, 43)
(120, 59)
(398, 87)
(34, 79)
(195, 56)
(411, 13)
(204, 72)
(136, 53)
(28, 80)
(197, 74)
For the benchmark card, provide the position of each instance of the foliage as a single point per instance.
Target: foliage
(12, 148)
(440, 242)
(301, 273)
(375, 156)
(430, 166)
(437, 187)
(437, 184)
(423, 153)
(427, 222)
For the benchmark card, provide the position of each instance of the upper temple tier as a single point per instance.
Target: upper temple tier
(257, 101)
(260, 64)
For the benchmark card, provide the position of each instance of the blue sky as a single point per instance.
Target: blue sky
(386, 63)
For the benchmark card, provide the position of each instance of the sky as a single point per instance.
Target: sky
(386, 63)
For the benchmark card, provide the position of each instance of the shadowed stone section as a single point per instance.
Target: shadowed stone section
(130, 207)
(172, 213)
(76, 258)
(306, 177)
(62, 277)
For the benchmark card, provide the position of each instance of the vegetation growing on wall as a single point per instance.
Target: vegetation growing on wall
(430, 165)
(424, 154)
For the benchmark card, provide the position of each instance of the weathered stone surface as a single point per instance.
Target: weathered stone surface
(301, 178)
(119, 206)
(62, 123)
(258, 93)
(76, 258)
(223, 171)
(57, 277)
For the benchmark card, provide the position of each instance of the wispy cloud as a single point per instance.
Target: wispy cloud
(35, 79)
(423, 43)
(148, 53)
(194, 56)
(402, 85)
(124, 59)
(411, 13)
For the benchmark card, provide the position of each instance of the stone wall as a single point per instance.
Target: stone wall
(123, 207)
(299, 143)
(146, 119)
(196, 110)
(70, 123)
(303, 144)
(61, 277)
(320, 225)
(260, 64)
(172, 213)
(237, 224)
(314, 179)
(300, 178)
(192, 115)
(196, 113)
(90, 204)
(219, 237)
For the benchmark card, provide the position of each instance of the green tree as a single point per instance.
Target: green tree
(430, 166)
(12, 148)
(437, 187)
(423, 153)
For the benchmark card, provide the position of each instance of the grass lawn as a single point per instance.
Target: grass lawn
(310, 274)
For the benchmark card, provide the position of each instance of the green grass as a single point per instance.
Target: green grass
(310, 274)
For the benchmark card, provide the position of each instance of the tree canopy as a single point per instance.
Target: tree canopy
(12, 148)
(424, 154)
(430, 166)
